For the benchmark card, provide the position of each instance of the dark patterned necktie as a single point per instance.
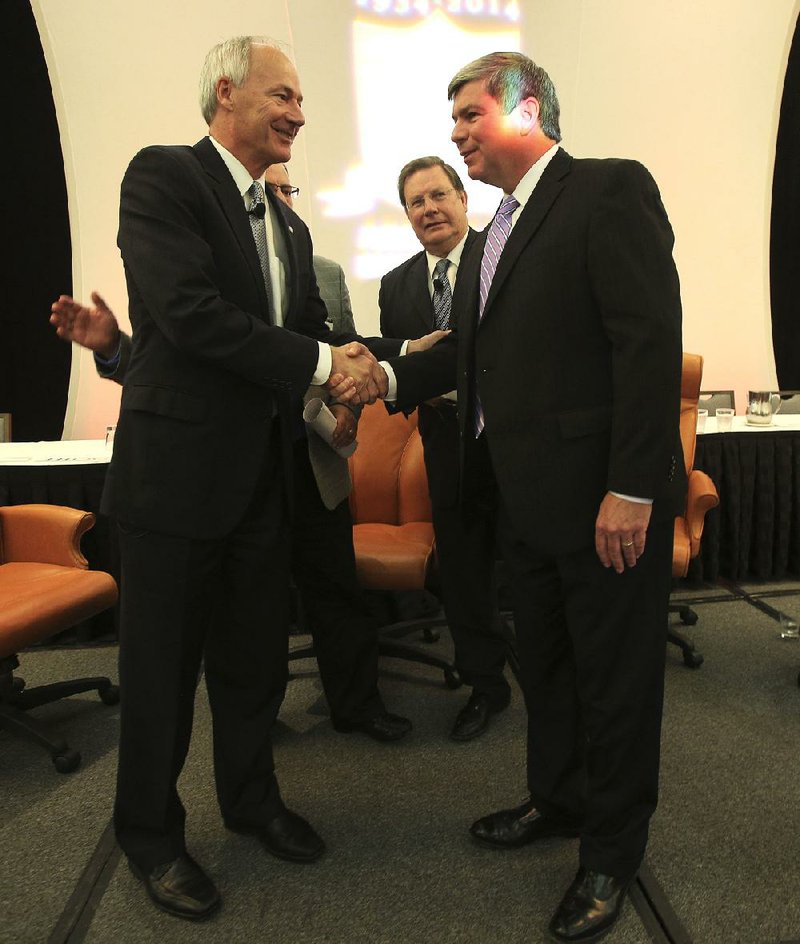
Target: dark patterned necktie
(256, 212)
(495, 242)
(442, 296)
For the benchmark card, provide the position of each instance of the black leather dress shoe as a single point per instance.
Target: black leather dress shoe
(382, 727)
(287, 836)
(510, 829)
(589, 908)
(473, 719)
(180, 888)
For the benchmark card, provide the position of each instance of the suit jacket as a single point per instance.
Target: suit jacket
(331, 471)
(406, 311)
(208, 373)
(577, 358)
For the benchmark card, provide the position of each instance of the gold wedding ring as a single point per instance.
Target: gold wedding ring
(629, 544)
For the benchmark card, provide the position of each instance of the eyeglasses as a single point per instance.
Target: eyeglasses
(285, 189)
(435, 196)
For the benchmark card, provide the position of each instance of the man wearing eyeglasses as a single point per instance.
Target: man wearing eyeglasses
(414, 299)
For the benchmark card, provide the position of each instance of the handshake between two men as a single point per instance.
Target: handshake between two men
(357, 376)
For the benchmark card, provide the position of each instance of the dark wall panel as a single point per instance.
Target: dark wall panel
(36, 258)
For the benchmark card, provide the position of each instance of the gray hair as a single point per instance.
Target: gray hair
(425, 163)
(511, 77)
(231, 60)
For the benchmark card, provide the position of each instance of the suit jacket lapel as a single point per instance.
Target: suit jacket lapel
(232, 205)
(292, 272)
(536, 209)
(419, 296)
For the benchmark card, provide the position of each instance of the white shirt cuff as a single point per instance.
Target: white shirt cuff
(324, 365)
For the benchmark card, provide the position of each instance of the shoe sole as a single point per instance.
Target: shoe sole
(555, 834)
(285, 857)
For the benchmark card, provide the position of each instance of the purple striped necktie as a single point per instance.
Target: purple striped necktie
(495, 241)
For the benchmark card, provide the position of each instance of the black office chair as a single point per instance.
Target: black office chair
(712, 400)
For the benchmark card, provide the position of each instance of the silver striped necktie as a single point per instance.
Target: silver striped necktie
(256, 213)
(442, 295)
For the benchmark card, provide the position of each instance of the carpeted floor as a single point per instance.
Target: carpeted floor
(400, 866)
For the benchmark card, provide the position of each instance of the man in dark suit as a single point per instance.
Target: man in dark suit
(432, 194)
(344, 631)
(216, 274)
(567, 360)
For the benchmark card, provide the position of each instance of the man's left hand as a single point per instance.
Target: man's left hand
(346, 424)
(620, 531)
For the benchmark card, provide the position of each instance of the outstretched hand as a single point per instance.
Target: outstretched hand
(426, 341)
(94, 328)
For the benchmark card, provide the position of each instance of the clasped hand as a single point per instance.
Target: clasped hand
(356, 376)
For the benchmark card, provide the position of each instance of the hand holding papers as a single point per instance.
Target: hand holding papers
(317, 415)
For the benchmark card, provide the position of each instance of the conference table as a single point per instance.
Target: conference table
(65, 473)
(754, 534)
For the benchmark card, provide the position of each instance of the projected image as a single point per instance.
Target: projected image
(404, 54)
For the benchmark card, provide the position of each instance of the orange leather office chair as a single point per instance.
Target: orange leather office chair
(701, 497)
(392, 528)
(45, 587)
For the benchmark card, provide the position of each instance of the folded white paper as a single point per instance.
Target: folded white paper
(317, 415)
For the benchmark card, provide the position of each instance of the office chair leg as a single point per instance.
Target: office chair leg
(691, 657)
(396, 650)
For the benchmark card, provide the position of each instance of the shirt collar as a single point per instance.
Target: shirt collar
(241, 175)
(533, 175)
(454, 255)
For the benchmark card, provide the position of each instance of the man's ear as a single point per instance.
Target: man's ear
(224, 91)
(528, 110)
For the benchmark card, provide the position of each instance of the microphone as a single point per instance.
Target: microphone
(258, 209)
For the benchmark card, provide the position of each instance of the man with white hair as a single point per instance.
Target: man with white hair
(197, 480)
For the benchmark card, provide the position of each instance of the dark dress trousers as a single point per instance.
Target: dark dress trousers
(577, 363)
(197, 484)
(465, 542)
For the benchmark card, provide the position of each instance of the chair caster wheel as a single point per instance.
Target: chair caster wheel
(689, 619)
(692, 660)
(452, 679)
(67, 762)
(110, 695)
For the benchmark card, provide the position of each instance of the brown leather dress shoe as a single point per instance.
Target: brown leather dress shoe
(180, 888)
(590, 907)
(287, 836)
(382, 727)
(510, 829)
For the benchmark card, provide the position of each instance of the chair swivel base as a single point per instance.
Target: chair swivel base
(14, 717)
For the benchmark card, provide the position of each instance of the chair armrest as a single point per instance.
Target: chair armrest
(702, 497)
(45, 534)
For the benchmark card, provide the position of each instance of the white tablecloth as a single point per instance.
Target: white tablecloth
(740, 424)
(66, 452)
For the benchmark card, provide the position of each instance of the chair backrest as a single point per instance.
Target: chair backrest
(390, 484)
(691, 376)
(790, 401)
(712, 400)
